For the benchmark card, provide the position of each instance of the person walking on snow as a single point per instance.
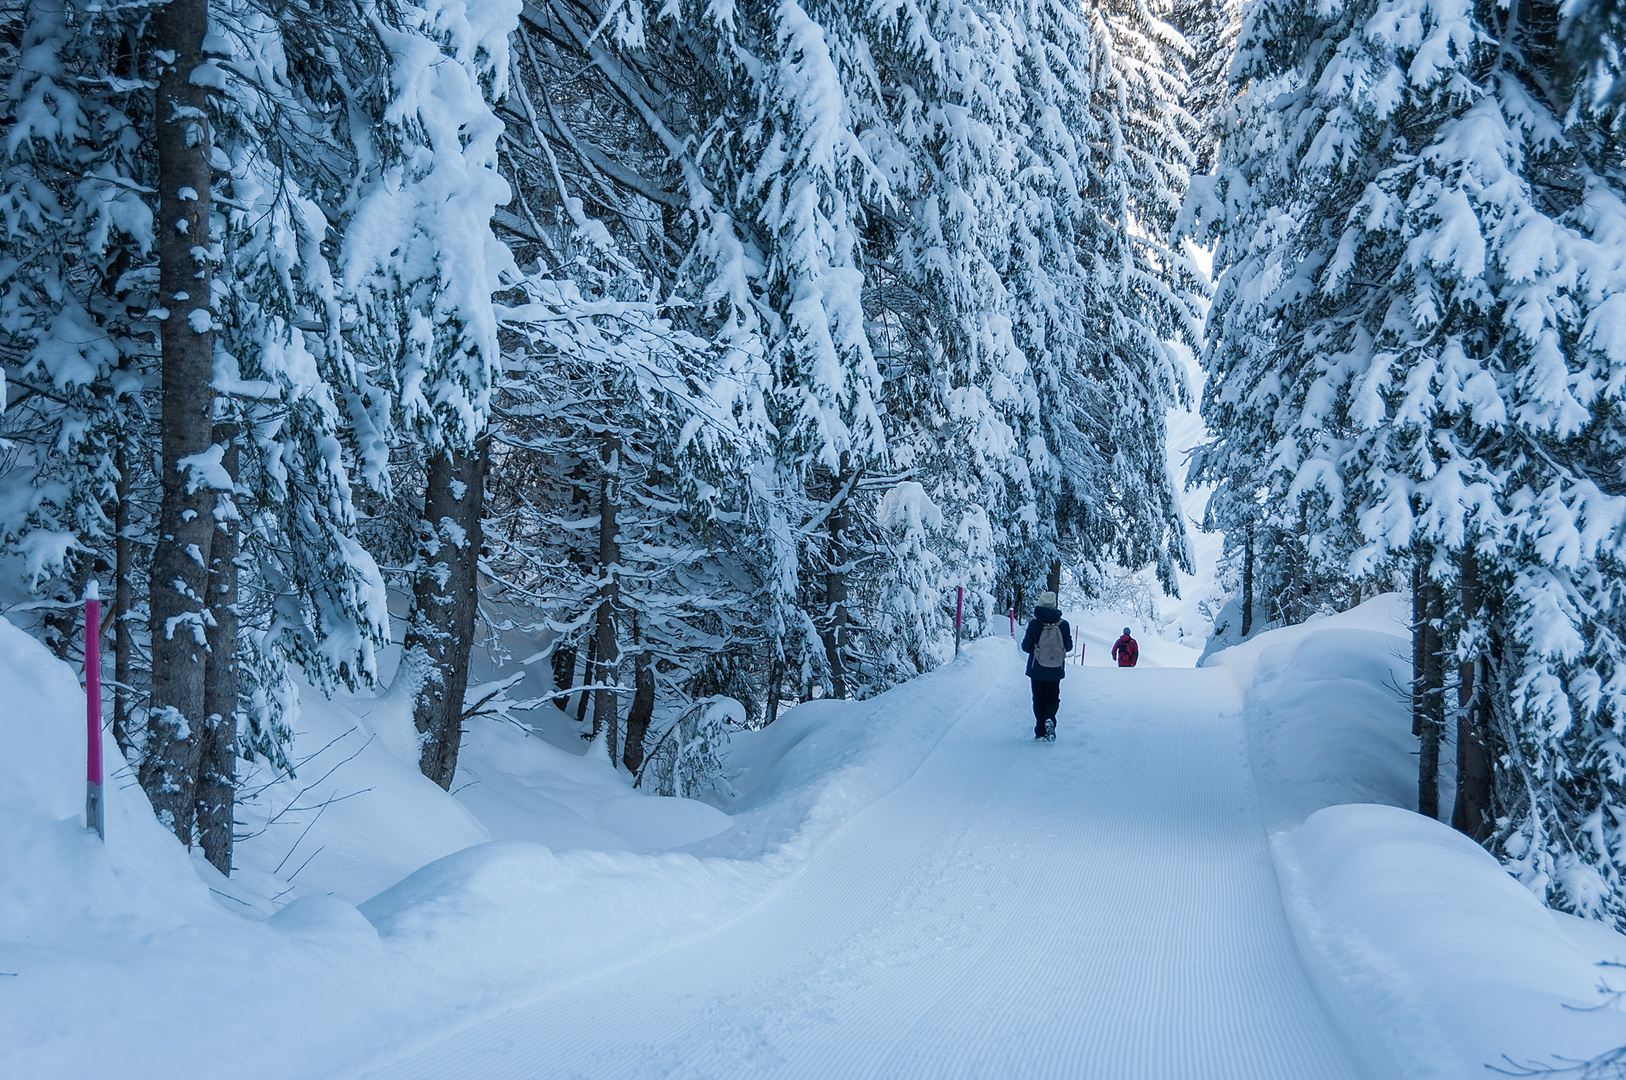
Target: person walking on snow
(1048, 643)
(1126, 650)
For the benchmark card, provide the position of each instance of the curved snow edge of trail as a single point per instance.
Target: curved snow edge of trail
(498, 925)
(1434, 958)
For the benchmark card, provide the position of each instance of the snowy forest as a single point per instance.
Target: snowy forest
(720, 356)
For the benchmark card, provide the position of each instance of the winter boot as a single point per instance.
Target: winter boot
(1050, 730)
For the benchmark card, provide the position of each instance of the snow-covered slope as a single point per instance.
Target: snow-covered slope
(137, 960)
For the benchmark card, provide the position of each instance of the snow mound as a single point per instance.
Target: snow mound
(1328, 712)
(1439, 962)
(1435, 959)
(57, 880)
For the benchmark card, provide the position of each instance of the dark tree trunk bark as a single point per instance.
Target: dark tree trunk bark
(564, 674)
(609, 557)
(1419, 645)
(589, 659)
(776, 676)
(217, 779)
(185, 526)
(642, 708)
(837, 638)
(445, 601)
(1473, 813)
(1433, 699)
(123, 599)
(1247, 582)
(1052, 580)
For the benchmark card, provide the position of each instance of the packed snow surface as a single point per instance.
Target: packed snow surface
(1104, 905)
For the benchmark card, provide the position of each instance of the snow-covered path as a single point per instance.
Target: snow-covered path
(1104, 906)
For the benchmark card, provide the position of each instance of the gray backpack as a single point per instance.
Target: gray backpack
(1049, 650)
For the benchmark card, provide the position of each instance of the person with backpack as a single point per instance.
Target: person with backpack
(1126, 650)
(1048, 643)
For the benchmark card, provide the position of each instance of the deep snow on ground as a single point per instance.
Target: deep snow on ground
(1126, 875)
(1103, 906)
(1437, 962)
(370, 910)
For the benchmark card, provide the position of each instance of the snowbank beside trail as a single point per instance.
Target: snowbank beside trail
(1435, 959)
(323, 985)
(57, 881)
(1439, 962)
(503, 922)
(1328, 714)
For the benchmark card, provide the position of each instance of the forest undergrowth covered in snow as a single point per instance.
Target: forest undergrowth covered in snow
(546, 466)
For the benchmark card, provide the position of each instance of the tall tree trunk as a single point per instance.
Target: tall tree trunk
(1247, 582)
(837, 638)
(589, 657)
(642, 708)
(1052, 580)
(564, 674)
(1433, 699)
(123, 598)
(1419, 645)
(445, 600)
(776, 676)
(1473, 813)
(180, 574)
(608, 654)
(217, 779)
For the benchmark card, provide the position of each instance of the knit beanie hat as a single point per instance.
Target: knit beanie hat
(1047, 599)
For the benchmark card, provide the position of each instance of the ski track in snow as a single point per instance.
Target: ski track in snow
(1103, 906)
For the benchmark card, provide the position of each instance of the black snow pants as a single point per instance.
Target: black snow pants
(1046, 698)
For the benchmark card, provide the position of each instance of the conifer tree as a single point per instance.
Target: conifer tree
(74, 300)
(420, 259)
(1410, 218)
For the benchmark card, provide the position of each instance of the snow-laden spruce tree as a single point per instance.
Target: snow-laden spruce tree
(1420, 305)
(290, 386)
(76, 287)
(961, 395)
(621, 516)
(1100, 286)
(797, 176)
(1210, 28)
(420, 264)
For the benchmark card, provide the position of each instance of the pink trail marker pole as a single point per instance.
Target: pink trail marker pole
(959, 611)
(1013, 622)
(94, 818)
(1081, 646)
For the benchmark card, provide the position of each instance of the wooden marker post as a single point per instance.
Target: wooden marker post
(94, 818)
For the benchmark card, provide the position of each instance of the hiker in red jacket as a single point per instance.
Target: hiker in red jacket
(1125, 650)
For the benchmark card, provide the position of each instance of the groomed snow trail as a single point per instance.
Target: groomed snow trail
(1103, 906)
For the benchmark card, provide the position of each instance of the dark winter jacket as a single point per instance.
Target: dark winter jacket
(1030, 641)
(1126, 650)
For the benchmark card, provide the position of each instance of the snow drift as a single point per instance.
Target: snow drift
(1436, 960)
(322, 985)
